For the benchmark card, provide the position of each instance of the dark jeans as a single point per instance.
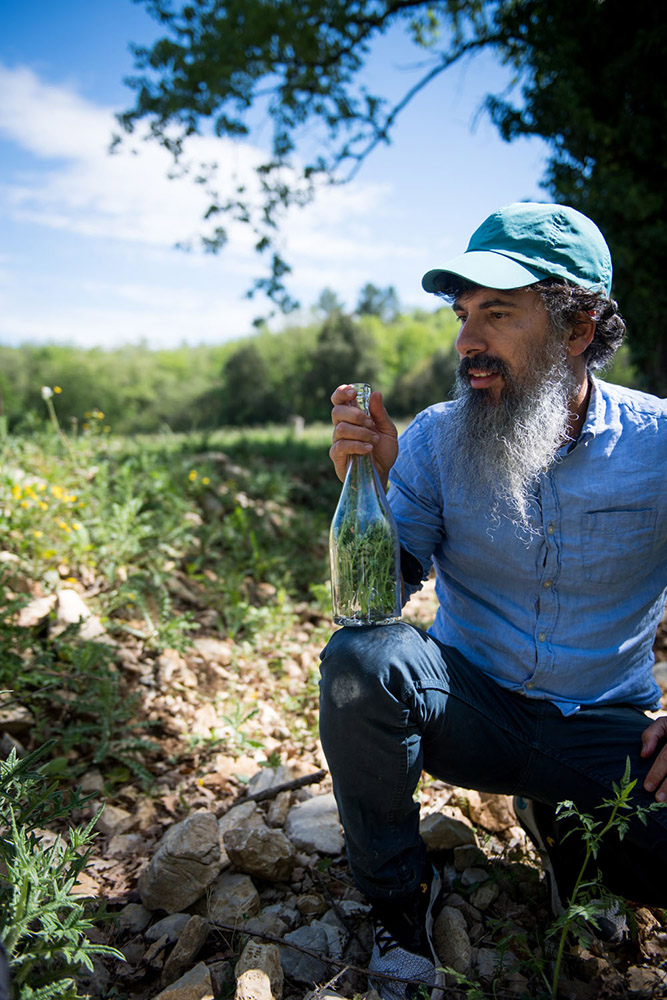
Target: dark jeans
(394, 701)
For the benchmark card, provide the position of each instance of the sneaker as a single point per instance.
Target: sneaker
(539, 822)
(403, 953)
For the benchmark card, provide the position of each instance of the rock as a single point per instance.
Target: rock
(492, 812)
(169, 927)
(266, 924)
(133, 918)
(451, 941)
(231, 898)
(92, 781)
(443, 833)
(186, 862)
(268, 778)
(279, 808)
(313, 825)
(469, 856)
(194, 985)
(311, 904)
(113, 820)
(214, 650)
(9, 743)
(470, 912)
(190, 942)
(487, 894)
(646, 982)
(169, 664)
(471, 876)
(126, 843)
(15, 719)
(259, 973)
(72, 609)
(262, 852)
(36, 612)
(319, 937)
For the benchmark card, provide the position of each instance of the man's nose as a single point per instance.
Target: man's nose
(471, 338)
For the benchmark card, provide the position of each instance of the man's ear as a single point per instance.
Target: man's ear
(581, 334)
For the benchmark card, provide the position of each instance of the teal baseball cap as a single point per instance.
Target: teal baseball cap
(527, 242)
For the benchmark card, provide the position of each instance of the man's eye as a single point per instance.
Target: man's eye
(498, 315)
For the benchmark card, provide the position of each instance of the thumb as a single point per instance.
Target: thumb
(381, 418)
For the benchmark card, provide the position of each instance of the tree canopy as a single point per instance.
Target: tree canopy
(589, 79)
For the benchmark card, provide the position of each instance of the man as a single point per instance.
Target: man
(539, 496)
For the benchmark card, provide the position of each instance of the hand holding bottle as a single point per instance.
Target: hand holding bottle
(358, 433)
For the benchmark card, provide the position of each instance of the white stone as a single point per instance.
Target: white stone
(313, 825)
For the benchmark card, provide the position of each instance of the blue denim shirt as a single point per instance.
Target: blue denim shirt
(568, 613)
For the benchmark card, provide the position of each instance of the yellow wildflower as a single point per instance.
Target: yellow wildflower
(65, 526)
(25, 503)
(206, 480)
(57, 389)
(192, 475)
(76, 525)
(42, 505)
(57, 492)
(17, 492)
(38, 534)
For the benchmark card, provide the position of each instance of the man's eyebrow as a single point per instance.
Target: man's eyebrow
(487, 304)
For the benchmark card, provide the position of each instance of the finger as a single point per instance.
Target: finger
(351, 414)
(343, 394)
(346, 431)
(652, 735)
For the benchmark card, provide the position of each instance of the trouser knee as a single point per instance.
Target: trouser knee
(361, 664)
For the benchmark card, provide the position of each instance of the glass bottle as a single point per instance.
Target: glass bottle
(363, 545)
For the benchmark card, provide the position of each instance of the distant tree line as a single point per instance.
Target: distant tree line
(264, 378)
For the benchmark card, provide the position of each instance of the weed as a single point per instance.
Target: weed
(589, 898)
(43, 926)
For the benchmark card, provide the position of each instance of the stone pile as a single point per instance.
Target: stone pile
(268, 882)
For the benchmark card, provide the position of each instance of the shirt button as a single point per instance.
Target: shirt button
(542, 636)
(530, 685)
(550, 529)
(547, 584)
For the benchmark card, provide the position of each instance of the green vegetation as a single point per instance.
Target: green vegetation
(266, 378)
(43, 925)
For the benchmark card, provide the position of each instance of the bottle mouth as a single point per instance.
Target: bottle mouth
(363, 391)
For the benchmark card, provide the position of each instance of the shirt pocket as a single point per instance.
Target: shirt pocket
(617, 545)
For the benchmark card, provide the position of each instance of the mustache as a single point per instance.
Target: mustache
(483, 363)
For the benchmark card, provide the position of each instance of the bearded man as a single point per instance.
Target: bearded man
(538, 494)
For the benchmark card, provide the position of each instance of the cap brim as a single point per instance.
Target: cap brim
(483, 267)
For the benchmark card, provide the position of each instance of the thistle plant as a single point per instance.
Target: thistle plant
(43, 926)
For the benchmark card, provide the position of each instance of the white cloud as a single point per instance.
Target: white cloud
(73, 186)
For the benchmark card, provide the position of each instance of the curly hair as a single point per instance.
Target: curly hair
(563, 300)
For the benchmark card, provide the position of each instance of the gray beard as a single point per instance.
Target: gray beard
(503, 447)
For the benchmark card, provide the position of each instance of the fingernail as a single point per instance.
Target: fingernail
(649, 786)
(661, 796)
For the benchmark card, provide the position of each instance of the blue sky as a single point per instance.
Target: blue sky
(87, 240)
